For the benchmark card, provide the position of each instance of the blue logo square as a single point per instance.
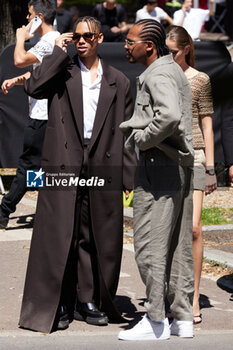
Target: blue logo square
(35, 178)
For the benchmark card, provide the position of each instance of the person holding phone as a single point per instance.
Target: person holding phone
(40, 16)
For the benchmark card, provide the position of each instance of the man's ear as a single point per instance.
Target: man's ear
(100, 38)
(41, 16)
(150, 46)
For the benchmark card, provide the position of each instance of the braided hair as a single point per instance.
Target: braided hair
(153, 31)
(93, 24)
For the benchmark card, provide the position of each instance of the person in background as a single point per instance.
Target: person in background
(35, 130)
(181, 46)
(192, 19)
(172, 6)
(75, 13)
(64, 18)
(160, 128)
(112, 17)
(152, 11)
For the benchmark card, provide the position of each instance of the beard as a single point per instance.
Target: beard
(130, 58)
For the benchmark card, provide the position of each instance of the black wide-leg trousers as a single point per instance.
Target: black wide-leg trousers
(81, 275)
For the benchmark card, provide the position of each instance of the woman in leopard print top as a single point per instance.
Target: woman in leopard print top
(181, 46)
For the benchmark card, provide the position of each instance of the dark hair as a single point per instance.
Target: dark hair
(153, 31)
(93, 24)
(182, 39)
(46, 7)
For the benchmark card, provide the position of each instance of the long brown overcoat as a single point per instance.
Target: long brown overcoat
(59, 79)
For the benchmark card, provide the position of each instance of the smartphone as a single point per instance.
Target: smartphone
(36, 22)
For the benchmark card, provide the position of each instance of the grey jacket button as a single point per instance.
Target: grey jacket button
(108, 155)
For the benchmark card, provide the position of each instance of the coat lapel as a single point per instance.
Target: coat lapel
(74, 86)
(107, 93)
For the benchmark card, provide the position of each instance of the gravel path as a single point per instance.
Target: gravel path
(221, 198)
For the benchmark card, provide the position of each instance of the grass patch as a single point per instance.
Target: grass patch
(217, 216)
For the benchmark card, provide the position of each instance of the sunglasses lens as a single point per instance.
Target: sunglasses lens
(76, 37)
(88, 36)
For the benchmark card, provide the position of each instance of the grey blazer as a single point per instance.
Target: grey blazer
(163, 112)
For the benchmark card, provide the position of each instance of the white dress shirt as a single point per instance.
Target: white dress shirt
(91, 93)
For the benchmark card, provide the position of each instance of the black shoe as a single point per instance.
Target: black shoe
(3, 219)
(62, 319)
(89, 313)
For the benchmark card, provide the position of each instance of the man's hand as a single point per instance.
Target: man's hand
(115, 29)
(19, 80)
(23, 33)
(8, 84)
(63, 40)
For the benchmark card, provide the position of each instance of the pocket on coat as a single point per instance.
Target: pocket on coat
(143, 101)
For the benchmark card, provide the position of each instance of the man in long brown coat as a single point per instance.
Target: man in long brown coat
(77, 236)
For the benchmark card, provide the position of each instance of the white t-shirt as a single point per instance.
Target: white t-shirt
(38, 109)
(193, 20)
(157, 14)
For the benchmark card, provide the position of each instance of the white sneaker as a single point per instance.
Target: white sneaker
(183, 329)
(147, 330)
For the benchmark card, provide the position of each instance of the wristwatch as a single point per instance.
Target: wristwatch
(210, 171)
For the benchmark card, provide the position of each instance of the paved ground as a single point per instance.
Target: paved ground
(217, 309)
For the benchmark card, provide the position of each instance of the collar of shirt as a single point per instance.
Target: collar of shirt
(86, 75)
(163, 60)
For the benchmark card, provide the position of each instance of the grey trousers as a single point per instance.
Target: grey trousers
(163, 234)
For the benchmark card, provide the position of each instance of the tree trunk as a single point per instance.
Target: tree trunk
(13, 15)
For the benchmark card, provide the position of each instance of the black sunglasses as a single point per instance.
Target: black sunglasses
(88, 36)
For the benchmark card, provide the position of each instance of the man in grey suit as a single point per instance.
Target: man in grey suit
(160, 129)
